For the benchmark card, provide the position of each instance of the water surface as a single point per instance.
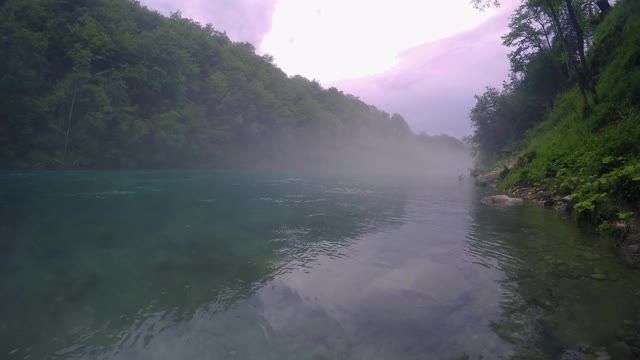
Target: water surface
(246, 265)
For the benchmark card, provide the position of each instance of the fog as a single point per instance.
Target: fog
(409, 156)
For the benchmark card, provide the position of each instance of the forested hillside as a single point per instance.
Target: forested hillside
(112, 84)
(571, 112)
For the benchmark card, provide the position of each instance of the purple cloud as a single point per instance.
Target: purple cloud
(243, 20)
(434, 83)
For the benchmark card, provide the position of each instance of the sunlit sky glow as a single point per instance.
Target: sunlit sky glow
(422, 59)
(330, 40)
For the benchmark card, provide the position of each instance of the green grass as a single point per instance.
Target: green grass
(595, 159)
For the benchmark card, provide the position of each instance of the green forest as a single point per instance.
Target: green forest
(569, 116)
(112, 84)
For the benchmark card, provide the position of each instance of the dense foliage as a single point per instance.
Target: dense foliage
(549, 40)
(109, 83)
(592, 156)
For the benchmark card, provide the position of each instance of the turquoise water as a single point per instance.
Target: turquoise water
(245, 265)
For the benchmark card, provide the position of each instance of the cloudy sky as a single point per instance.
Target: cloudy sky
(422, 59)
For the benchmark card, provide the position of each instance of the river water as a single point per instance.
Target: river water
(246, 265)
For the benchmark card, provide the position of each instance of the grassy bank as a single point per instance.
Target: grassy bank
(594, 158)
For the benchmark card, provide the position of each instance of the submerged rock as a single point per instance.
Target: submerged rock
(573, 355)
(585, 354)
(620, 351)
(630, 249)
(599, 276)
(501, 200)
(545, 203)
(633, 249)
(601, 355)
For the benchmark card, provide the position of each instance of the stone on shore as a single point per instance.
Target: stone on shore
(501, 200)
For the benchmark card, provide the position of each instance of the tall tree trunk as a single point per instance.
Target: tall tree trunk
(579, 33)
(568, 49)
(584, 71)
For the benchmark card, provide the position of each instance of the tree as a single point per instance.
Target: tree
(584, 72)
(483, 4)
(549, 40)
(530, 32)
(569, 30)
(109, 83)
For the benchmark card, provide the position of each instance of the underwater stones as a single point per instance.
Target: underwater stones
(620, 351)
(573, 355)
(599, 277)
(601, 355)
(633, 249)
(632, 238)
(590, 256)
(464, 356)
(545, 203)
(585, 354)
(429, 281)
(542, 202)
(501, 200)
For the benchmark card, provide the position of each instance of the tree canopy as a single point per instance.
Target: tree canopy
(112, 84)
(549, 40)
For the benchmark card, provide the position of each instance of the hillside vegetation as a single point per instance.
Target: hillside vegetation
(112, 84)
(571, 141)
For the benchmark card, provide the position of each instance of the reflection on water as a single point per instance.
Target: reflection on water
(562, 288)
(204, 265)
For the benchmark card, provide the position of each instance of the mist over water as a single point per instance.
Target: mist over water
(283, 265)
(395, 157)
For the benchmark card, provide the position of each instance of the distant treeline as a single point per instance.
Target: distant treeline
(112, 84)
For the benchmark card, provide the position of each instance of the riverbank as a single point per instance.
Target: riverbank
(624, 230)
(579, 157)
(624, 236)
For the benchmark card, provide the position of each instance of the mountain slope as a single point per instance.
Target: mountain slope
(111, 84)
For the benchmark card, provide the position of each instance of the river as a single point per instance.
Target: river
(255, 265)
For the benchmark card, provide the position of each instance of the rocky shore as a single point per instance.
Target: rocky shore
(625, 344)
(625, 234)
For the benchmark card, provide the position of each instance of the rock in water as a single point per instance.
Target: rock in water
(620, 351)
(573, 355)
(598, 276)
(601, 355)
(501, 200)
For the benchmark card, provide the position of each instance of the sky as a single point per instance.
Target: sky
(422, 59)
